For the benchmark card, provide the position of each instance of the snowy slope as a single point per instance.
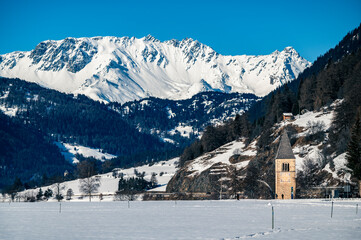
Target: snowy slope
(70, 150)
(313, 152)
(124, 69)
(164, 171)
(221, 156)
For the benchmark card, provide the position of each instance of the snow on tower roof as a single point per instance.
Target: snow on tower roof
(284, 149)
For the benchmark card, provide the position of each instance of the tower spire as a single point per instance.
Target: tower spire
(284, 149)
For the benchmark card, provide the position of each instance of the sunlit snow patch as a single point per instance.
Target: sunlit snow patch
(11, 112)
(183, 130)
(70, 150)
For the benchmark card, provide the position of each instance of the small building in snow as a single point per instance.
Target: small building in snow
(287, 116)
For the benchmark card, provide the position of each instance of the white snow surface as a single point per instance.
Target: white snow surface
(183, 130)
(227, 219)
(124, 69)
(11, 112)
(325, 117)
(70, 150)
(340, 166)
(312, 153)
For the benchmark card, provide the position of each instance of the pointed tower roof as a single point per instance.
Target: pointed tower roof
(284, 149)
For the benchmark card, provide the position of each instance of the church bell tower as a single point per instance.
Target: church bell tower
(285, 165)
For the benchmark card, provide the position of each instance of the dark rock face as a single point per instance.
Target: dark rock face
(193, 50)
(183, 183)
(208, 181)
(151, 54)
(74, 54)
(39, 51)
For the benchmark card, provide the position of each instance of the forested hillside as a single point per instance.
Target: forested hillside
(137, 132)
(40, 116)
(335, 75)
(27, 153)
(183, 121)
(74, 119)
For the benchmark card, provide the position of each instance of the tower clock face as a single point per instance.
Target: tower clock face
(285, 177)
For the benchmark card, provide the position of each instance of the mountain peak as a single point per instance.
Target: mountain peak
(150, 38)
(189, 40)
(289, 50)
(286, 50)
(126, 69)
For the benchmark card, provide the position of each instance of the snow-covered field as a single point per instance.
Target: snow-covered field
(231, 219)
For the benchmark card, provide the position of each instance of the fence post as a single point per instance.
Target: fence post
(356, 208)
(332, 209)
(273, 218)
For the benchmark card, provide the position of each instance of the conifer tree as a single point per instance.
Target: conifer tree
(235, 181)
(153, 180)
(353, 154)
(39, 195)
(48, 193)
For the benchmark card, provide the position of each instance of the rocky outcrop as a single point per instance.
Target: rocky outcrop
(207, 173)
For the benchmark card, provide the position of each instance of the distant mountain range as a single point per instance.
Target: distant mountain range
(113, 69)
(176, 121)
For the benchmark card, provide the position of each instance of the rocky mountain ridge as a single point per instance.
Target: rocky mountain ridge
(113, 69)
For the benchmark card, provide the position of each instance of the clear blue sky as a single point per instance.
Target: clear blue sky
(229, 27)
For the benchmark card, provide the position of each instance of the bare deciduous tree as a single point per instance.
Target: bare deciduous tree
(69, 194)
(89, 185)
(59, 187)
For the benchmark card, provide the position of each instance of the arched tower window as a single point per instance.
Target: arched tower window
(285, 167)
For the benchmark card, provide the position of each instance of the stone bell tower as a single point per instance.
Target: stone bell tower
(285, 165)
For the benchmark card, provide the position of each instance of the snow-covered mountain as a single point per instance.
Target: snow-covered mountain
(125, 69)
